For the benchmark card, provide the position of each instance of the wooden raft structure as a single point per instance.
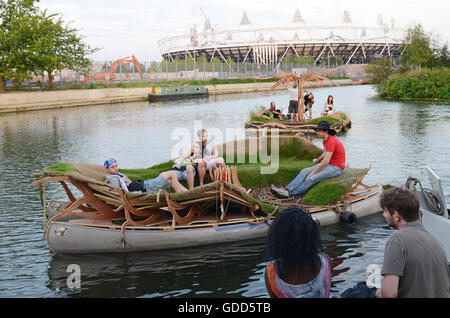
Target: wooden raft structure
(357, 192)
(288, 126)
(103, 202)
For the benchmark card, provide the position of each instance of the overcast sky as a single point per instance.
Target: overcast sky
(132, 27)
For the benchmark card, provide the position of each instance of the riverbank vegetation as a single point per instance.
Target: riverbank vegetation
(423, 73)
(417, 84)
(33, 41)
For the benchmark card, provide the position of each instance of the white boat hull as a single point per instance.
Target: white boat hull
(438, 225)
(360, 208)
(69, 238)
(63, 237)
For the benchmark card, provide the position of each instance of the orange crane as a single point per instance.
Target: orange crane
(110, 75)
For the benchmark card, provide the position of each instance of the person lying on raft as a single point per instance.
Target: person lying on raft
(167, 179)
(186, 166)
(276, 113)
(332, 164)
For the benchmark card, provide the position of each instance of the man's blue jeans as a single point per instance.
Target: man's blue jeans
(300, 184)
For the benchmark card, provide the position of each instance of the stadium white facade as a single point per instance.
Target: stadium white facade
(270, 45)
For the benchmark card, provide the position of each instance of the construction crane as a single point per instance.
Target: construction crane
(126, 60)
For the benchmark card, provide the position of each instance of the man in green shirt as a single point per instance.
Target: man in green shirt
(415, 263)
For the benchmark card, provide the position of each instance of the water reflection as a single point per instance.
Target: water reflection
(352, 248)
(190, 272)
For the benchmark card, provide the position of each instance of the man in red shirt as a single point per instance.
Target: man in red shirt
(331, 164)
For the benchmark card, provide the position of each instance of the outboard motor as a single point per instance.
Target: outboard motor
(432, 199)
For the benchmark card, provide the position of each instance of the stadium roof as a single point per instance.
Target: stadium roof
(269, 45)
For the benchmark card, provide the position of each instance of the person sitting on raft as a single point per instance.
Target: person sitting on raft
(210, 156)
(332, 164)
(276, 113)
(167, 179)
(298, 266)
(329, 107)
(186, 166)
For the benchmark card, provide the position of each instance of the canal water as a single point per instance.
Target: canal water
(397, 138)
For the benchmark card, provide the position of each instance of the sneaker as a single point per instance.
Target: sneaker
(279, 192)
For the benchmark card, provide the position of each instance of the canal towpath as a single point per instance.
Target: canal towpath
(26, 101)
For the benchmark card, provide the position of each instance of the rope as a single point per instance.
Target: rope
(266, 197)
(432, 199)
(269, 198)
(42, 196)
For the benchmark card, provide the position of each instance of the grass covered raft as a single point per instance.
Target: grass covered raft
(339, 121)
(236, 208)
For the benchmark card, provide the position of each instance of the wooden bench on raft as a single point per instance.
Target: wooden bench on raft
(101, 201)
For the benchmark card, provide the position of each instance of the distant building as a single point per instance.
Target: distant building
(270, 45)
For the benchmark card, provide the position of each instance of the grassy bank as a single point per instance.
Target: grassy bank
(423, 84)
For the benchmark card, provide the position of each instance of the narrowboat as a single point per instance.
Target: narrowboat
(160, 93)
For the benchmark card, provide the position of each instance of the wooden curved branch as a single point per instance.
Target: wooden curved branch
(96, 209)
(173, 207)
(152, 216)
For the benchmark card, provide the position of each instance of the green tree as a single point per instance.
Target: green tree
(154, 67)
(59, 47)
(33, 42)
(17, 26)
(378, 71)
(442, 56)
(335, 60)
(417, 47)
(287, 59)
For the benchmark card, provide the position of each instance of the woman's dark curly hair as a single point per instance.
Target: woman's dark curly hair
(294, 241)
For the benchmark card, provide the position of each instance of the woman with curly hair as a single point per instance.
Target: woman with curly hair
(298, 266)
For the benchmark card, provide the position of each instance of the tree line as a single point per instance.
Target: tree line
(32, 41)
(216, 64)
(420, 50)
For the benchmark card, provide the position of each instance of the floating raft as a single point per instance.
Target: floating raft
(160, 93)
(338, 121)
(108, 219)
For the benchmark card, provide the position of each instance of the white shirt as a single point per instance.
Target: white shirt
(293, 92)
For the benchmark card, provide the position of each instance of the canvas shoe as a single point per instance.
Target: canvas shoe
(279, 192)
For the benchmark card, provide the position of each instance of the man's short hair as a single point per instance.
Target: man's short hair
(404, 201)
(200, 132)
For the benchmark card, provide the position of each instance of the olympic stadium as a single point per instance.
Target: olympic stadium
(353, 44)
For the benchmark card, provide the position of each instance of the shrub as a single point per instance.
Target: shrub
(422, 84)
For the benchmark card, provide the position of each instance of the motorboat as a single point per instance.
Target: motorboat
(433, 208)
